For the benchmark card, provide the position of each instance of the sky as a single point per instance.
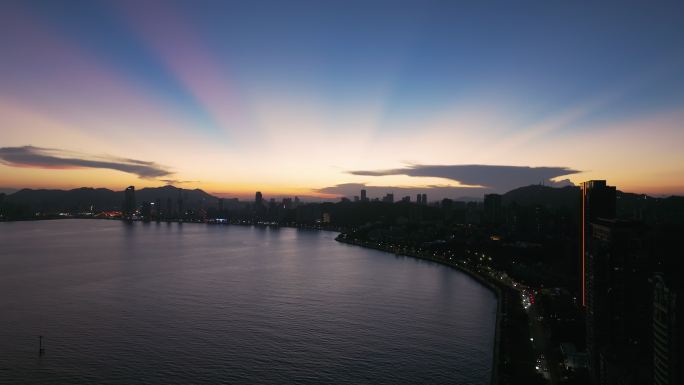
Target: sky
(323, 98)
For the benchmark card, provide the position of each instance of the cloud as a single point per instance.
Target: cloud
(51, 158)
(176, 181)
(490, 177)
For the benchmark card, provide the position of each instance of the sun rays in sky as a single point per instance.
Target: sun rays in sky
(290, 98)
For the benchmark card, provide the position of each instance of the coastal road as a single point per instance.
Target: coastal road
(542, 345)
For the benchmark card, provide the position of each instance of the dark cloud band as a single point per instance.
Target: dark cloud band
(498, 178)
(30, 156)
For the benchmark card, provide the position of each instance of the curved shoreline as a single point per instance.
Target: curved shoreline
(490, 284)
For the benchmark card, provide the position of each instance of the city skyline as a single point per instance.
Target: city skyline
(327, 99)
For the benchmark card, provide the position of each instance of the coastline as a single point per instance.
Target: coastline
(494, 286)
(504, 359)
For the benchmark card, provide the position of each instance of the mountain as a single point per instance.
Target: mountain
(192, 199)
(639, 207)
(550, 197)
(652, 210)
(100, 199)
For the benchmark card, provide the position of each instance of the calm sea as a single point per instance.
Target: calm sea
(149, 303)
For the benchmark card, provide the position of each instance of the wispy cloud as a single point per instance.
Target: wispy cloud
(52, 158)
(176, 181)
(491, 177)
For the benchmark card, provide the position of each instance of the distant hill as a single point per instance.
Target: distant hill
(640, 207)
(191, 198)
(650, 209)
(550, 197)
(82, 199)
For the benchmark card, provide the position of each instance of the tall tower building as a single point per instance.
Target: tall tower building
(258, 198)
(363, 196)
(492, 209)
(169, 209)
(423, 199)
(668, 329)
(617, 302)
(129, 202)
(181, 209)
(598, 201)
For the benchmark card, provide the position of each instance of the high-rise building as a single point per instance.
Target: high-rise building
(181, 208)
(146, 210)
(419, 199)
(617, 302)
(492, 209)
(363, 196)
(129, 202)
(423, 199)
(668, 329)
(389, 198)
(598, 201)
(258, 199)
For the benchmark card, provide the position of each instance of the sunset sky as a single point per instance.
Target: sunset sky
(318, 98)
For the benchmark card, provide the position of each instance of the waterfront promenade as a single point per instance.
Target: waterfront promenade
(513, 357)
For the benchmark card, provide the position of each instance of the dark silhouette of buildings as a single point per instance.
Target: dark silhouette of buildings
(493, 214)
(423, 199)
(668, 323)
(181, 208)
(146, 211)
(389, 198)
(169, 208)
(364, 198)
(129, 202)
(598, 201)
(617, 302)
(258, 199)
